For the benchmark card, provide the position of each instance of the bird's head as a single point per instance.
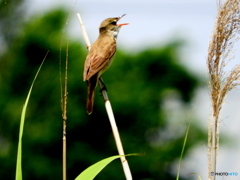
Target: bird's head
(111, 27)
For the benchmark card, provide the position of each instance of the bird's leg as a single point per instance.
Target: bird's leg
(101, 84)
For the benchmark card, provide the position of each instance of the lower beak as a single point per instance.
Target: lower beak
(122, 24)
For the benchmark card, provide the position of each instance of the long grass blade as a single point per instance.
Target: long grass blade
(181, 156)
(19, 153)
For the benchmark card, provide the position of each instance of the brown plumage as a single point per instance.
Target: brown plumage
(100, 56)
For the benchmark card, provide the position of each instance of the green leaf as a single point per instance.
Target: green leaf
(92, 171)
(19, 153)
(199, 177)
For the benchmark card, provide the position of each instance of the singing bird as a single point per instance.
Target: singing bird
(100, 56)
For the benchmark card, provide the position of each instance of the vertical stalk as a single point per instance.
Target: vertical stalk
(214, 148)
(116, 135)
(65, 121)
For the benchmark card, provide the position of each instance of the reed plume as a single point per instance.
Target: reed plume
(221, 81)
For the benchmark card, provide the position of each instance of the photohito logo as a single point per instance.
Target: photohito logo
(224, 174)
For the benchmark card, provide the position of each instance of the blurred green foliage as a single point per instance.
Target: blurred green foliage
(11, 14)
(136, 85)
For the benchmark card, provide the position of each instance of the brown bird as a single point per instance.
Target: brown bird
(100, 56)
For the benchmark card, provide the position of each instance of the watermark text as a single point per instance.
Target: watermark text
(224, 174)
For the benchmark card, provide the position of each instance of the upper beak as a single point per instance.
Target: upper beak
(122, 23)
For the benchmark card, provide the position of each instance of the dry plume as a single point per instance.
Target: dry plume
(224, 36)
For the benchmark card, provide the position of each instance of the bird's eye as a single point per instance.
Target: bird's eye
(113, 22)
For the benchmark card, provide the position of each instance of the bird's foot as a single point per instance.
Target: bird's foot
(103, 86)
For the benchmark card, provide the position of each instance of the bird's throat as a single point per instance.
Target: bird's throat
(114, 33)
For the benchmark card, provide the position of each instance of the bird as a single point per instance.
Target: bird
(100, 56)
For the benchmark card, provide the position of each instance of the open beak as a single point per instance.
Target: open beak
(119, 25)
(122, 24)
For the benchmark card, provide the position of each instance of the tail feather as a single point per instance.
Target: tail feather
(91, 84)
(89, 106)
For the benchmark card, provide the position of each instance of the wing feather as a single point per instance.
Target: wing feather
(99, 57)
